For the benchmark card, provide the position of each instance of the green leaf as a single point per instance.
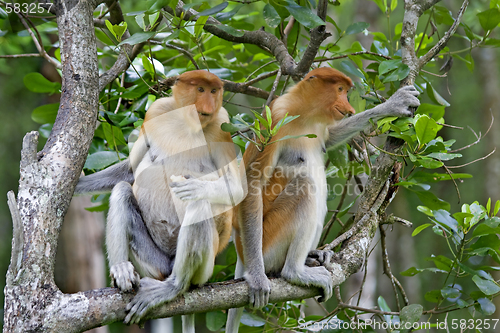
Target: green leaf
(252, 320)
(449, 292)
(148, 66)
(119, 30)
(45, 114)
(444, 156)
(157, 6)
(486, 286)
(410, 313)
(436, 112)
(304, 15)
(433, 296)
(412, 271)
(214, 10)
(429, 163)
(137, 38)
(382, 4)
(228, 127)
(261, 119)
(487, 307)
(139, 19)
(431, 201)
(215, 320)
(425, 210)
(434, 96)
(497, 208)
(200, 23)
(382, 304)
(394, 5)
(426, 129)
(488, 206)
(358, 103)
(230, 30)
(109, 25)
(356, 28)
(420, 228)
(3, 14)
(36, 82)
(351, 69)
(489, 19)
(388, 65)
(102, 159)
(271, 16)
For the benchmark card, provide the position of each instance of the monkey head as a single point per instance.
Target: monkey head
(201, 88)
(326, 88)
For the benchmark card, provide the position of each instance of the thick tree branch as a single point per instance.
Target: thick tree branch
(261, 38)
(241, 88)
(318, 35)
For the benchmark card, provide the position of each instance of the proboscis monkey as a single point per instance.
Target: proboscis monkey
(176, 216)
(281, 218)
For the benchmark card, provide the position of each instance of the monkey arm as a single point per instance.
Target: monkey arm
(226, 190)
(104, 180)
(397, 105)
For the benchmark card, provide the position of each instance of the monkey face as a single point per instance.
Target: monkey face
(340, 108)
(208, 102)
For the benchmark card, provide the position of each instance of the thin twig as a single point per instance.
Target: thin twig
(479, 159)
(275, 86)
(353, 54)
(25, 55)
(478, 137)
(260, 78)
(387, 264)
(450, 126)
(454, 182)
(38, 44)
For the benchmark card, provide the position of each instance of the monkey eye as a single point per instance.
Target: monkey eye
(200, 89)
(214, 91)
(341, 89)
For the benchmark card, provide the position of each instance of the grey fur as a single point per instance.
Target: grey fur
(104, 180)
(397, 105)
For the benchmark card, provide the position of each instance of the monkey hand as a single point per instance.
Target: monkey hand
(124, 276)
(260, 288)
(194, 189)
(151, 294)
(398, 104)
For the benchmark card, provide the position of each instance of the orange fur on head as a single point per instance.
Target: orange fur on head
(201, 88)
(324, 90)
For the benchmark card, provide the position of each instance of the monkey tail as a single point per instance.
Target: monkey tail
(104, 180)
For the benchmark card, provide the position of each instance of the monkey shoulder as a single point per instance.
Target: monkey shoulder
(160, 106)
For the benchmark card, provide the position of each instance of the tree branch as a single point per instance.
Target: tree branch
(318, 35)
(444, 40)
(261, 38)
(127, 52)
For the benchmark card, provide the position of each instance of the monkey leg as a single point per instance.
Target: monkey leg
(291, 231)
(234, 315)
(126, 230)
(196, 249)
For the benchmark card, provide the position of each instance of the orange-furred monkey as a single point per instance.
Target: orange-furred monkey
(281, 218)
(176, 216)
